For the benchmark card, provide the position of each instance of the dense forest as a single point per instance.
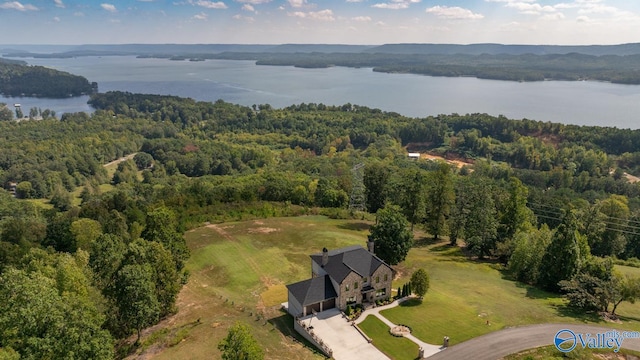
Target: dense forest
(106, 250)
(17, 79)
(521, 67)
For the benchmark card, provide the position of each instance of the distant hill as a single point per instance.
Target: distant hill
(498, 49)
(186, 50)
(38, 81)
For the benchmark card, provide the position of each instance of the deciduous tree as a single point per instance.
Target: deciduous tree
(565, 256)
(439, 198)
(135, 293)
(375, 180)
(420, 282)
(239, 344)
(391, 235)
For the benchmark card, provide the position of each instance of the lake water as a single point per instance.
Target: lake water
(242, 82)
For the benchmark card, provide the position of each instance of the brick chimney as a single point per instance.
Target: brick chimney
(325, 256)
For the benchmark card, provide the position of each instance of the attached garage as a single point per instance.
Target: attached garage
(316, 294)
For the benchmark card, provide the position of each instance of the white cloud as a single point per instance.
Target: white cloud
(56, 19)
(454, 12)
(554, 16)
(530, 8)
(583, 19)
(510, 1)
(361, 18)
(354, 1)
(200, 16)
(254, 2)
(15, 5)
(248, 19)
(395, 4)
(391, 6)
(209, 4)
(322, 15)
(248, 7)
(109, 7)
(59, 3)
(297, 3)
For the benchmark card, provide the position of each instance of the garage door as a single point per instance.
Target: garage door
(328, 304)
(315, 307)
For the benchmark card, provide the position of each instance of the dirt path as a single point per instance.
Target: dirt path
(117, 161)
(456, 163)
(631, 178)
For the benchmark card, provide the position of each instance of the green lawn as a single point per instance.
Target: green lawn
(239, 271)
(397, 348)
(628, 270)
(464, 295)
(551, 353)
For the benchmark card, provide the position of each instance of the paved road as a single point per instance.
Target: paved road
(512, 340)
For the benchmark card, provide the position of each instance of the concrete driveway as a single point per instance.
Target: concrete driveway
(345, 341)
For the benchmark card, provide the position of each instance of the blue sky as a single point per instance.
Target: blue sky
(321, 21)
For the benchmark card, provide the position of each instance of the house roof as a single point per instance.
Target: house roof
(313, 290)
(345, 260)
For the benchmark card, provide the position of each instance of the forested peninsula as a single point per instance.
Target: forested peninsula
(19, 79)
(612, 63)
(92, 219)
(524, 67)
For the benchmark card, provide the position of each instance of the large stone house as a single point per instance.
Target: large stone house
(341, 277)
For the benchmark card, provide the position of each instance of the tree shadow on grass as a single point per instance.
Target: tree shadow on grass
(565, 310)
(411, 302)
(356, 226)
(627, 318)
(532, 292)
(425, 241)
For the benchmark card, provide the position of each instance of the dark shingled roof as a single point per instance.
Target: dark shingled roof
(313, 291)
(353, 258)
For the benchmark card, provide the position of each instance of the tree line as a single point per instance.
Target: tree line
(509, 67)
(116, 237)
(18, 79)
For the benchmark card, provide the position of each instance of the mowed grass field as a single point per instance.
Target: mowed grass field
(397, 348)
(239, 271)
(468, 298)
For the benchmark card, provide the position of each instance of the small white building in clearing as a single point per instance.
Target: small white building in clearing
(414, 155)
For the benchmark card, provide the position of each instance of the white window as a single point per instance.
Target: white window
(381, 292)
